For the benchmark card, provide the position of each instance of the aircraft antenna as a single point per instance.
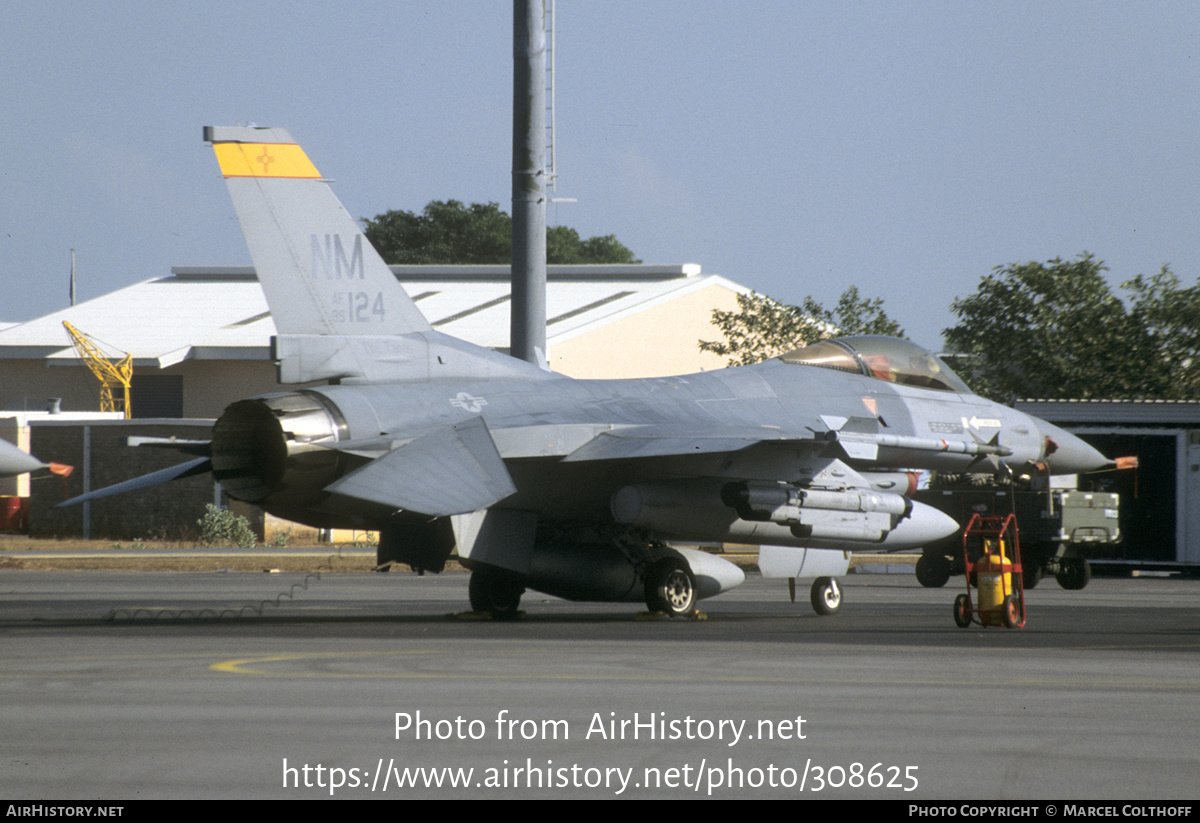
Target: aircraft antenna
(551, 168)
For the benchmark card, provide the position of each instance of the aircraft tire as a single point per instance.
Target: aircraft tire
(933, 570)
(826, 596)
(1074, 573)
(962, 611)
(495, 592)
(671, 588)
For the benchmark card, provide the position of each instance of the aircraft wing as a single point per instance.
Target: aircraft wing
(673, 441)
(855, 440)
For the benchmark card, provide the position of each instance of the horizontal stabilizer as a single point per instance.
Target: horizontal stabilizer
(196, 447)
(200, 465)
(451, 471)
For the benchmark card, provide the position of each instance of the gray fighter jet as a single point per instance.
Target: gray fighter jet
(570, 487)
(14, 461)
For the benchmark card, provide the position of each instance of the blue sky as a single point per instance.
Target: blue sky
(794, 147)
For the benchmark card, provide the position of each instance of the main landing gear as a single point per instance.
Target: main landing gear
(670, 587)
(495, 592)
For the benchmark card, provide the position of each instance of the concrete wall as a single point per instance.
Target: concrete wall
(164, 512)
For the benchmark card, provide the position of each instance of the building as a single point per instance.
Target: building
(200, 339)
(1160, 499)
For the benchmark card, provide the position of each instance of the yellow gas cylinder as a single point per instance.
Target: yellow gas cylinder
(993, 574)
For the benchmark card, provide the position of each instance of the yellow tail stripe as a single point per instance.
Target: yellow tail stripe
(264, 160)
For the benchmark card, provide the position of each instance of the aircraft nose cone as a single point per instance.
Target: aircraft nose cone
(13, 461)
(1067, 454)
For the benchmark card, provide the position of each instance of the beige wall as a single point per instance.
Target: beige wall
(211, 385)
(659, 341)
(26, 385)
(208, 385)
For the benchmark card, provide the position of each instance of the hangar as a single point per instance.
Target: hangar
(200, 337)
(1160, 499)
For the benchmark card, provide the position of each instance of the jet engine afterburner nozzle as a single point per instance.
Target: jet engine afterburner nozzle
(273, 447)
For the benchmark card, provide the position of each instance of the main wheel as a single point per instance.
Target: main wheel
(495, 592)
(1073, 573)
(962, 611)
(670, 587)
(933, 570)
(826, 596)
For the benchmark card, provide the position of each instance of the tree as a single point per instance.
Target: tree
(448, 232)
(1056, 329)
(1171, 316)
(762, 328)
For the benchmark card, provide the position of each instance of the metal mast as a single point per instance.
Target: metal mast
(551, 166)
(528, 331)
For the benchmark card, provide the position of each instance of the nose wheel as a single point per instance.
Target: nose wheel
(826, 596)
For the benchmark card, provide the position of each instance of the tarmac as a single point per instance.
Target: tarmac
(247, 685)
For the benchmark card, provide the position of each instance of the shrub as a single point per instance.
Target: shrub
(221, 527)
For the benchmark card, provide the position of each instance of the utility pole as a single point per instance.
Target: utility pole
(528, 331)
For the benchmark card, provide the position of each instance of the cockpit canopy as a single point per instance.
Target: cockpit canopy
(885, 358)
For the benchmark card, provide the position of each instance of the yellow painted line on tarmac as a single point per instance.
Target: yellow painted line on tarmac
(243, 665)
(257, 666)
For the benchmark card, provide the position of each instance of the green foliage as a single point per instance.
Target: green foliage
(280, 539)
(762, 328)
(449, 232)
(563, 246)
(1056, 329)
(1170, 315)
(221, 527)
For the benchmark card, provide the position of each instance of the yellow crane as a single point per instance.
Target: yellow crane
(112, 373)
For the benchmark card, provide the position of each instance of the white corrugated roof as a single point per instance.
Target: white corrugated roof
(219, 313)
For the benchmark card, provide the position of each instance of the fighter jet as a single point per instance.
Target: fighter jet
(14, 461)
(570, 487)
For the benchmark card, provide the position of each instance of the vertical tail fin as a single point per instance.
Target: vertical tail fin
(320, 274)
(339, 312)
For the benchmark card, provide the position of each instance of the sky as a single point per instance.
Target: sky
(796, 148)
